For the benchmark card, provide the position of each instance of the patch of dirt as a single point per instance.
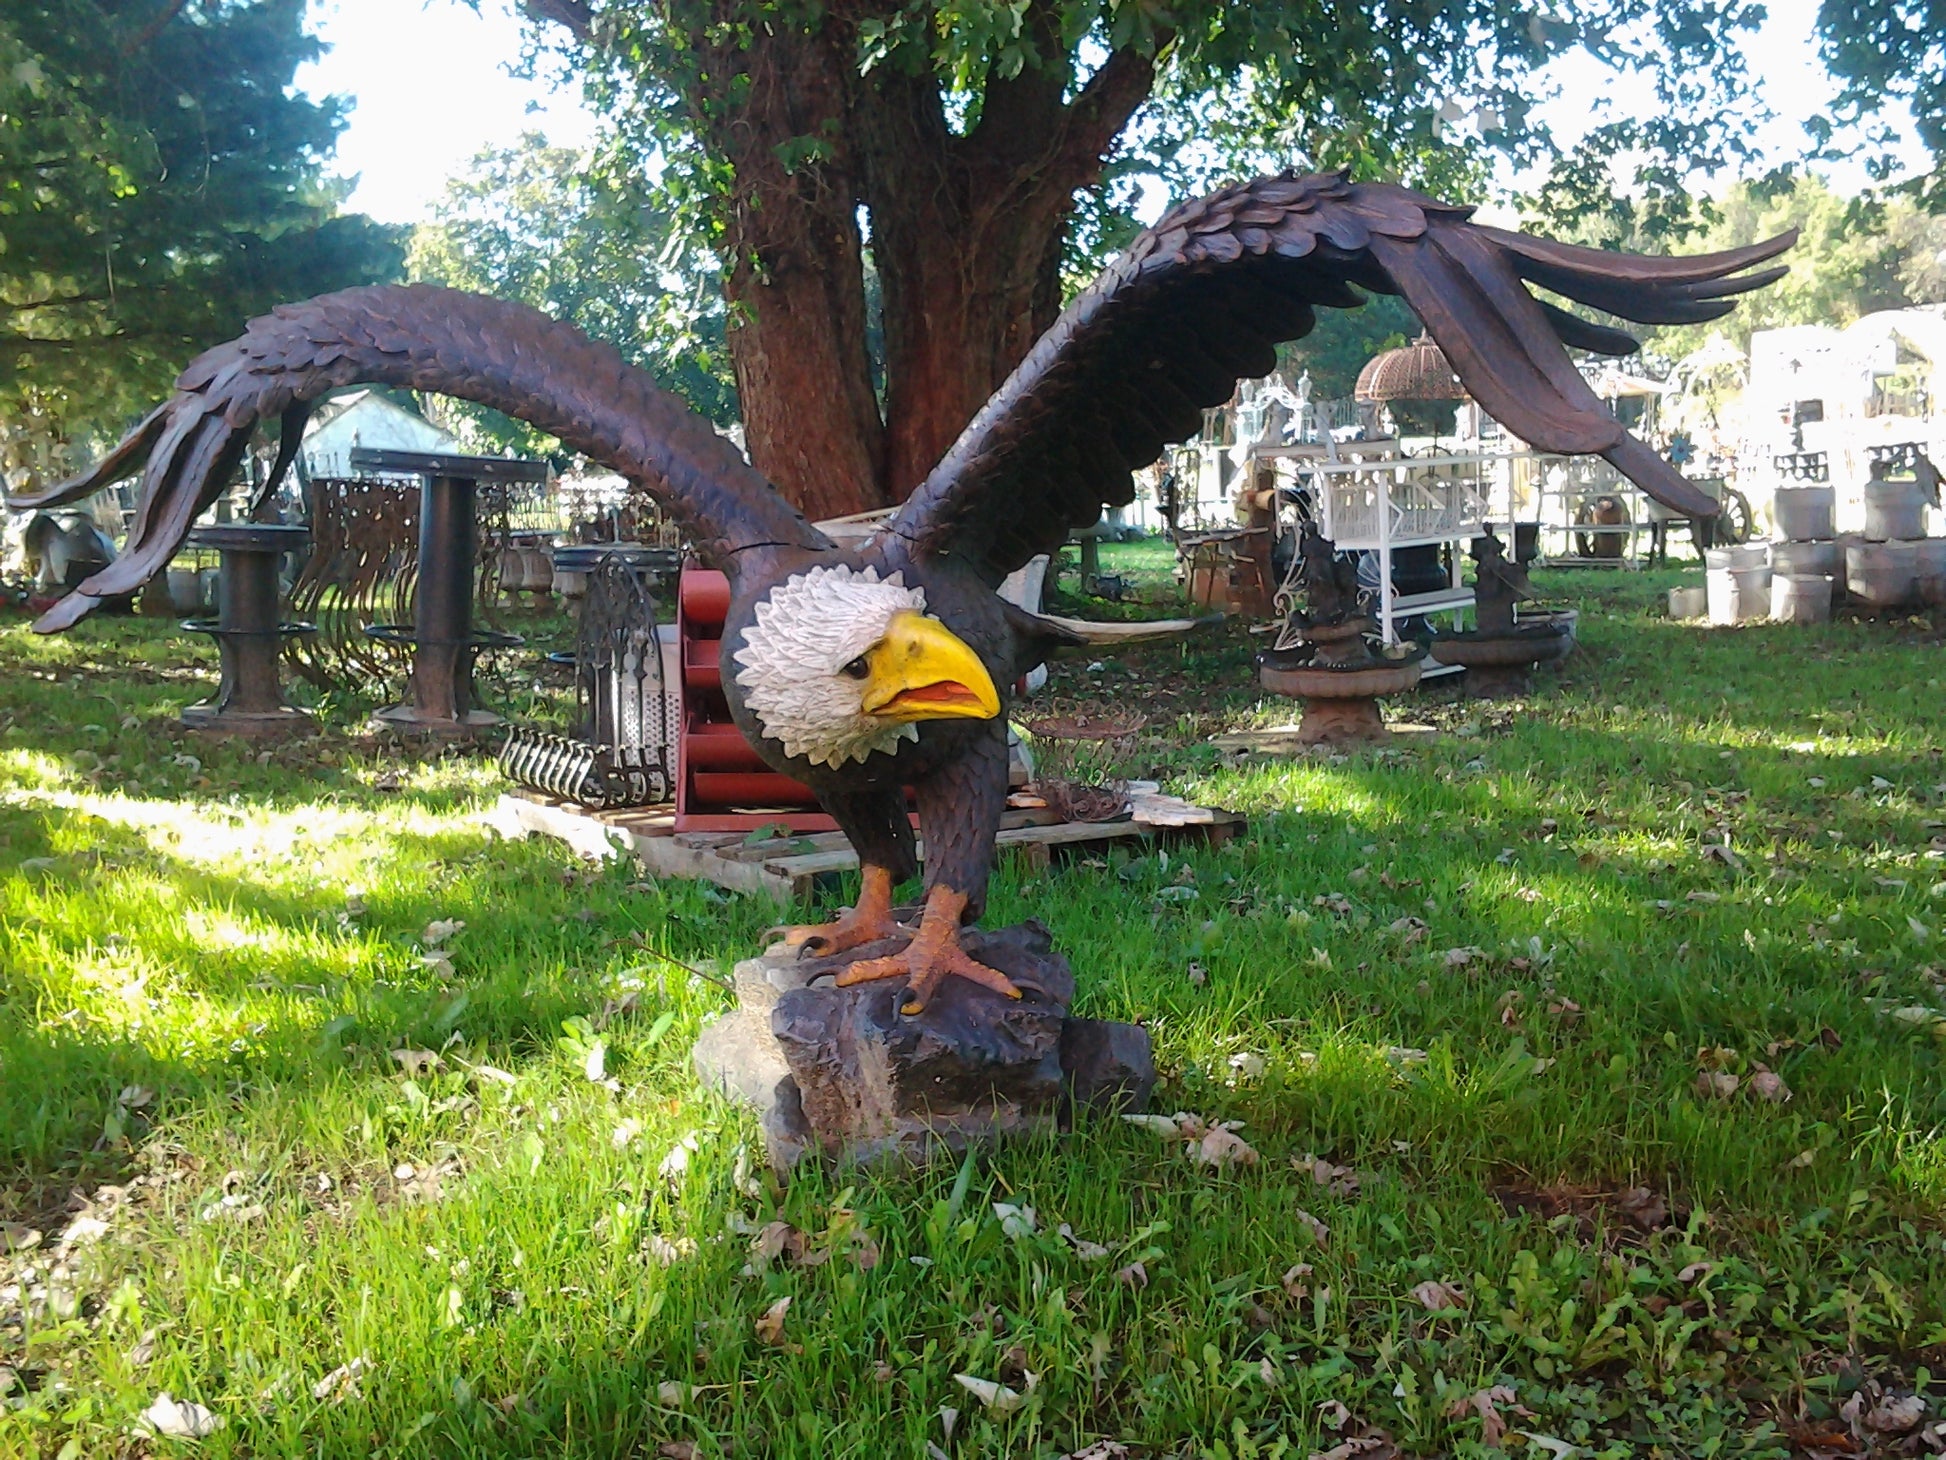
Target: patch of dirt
(1624, 1215)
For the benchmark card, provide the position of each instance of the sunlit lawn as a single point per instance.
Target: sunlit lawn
(264, 1132)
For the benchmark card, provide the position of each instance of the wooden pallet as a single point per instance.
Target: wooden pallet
(787, 868)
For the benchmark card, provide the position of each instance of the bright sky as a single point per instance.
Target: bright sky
(431, 85)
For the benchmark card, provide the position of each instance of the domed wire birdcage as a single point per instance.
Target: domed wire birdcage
(1414, 372)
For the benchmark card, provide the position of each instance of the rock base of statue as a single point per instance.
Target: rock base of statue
(842, 1074)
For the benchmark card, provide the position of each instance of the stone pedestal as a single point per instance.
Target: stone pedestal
(842, 1074)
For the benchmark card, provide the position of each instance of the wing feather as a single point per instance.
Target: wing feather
(503, 355)
(1202, 299)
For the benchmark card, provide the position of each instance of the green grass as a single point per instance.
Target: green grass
(208, 960)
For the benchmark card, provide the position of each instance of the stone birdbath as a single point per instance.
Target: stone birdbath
(1333, 669)
(1499, 654)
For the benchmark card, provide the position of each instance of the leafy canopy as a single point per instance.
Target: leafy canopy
(1427, 92)
(552, 228)
(160, 182)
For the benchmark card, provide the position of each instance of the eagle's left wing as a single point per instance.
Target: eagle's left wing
(417, 337)
(1201, 300)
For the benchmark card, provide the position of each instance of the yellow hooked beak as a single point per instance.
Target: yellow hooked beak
(921, 670)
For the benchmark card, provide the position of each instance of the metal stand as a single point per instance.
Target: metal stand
(248, 630)
(444, 642)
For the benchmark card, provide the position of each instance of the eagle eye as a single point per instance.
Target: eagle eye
(858, 668)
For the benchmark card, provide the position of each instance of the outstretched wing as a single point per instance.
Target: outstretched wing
(1201, 300)
(417, 337)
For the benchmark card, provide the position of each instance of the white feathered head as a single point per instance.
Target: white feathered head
(841, 663)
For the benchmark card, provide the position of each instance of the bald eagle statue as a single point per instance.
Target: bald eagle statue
(866, 669)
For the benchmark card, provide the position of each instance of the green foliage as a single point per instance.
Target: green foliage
(1345, 339)
(1887, 51)
(1236, 88)
(588, 244)
(159, 184)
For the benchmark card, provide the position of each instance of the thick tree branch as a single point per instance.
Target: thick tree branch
(141, 39)
(1103, 107)
(577, 16)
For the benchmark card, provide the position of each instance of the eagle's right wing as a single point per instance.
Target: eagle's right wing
(1203, 298)
(416, 337)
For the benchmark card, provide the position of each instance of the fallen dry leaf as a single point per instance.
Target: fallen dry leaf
(1016, 1221)
(342, 1382)
(1085, 1250)
(16, 1237)
(1486, 1403)
(1896, 1414)
(180, 1418)
(770, 1326)
(440, 930)
(1409, 930)
(1135, 1275)
(1248, 1065)
(1294, 1280)
(1437, 1297)
(1338, 1180)
(1222, 1146)
(676, 1450)
(996, 1397)
(775, 1240)
(1320, 1233)
(1716, 1084)
(1100, 1450)
(1644, 1208)
(1770, 1086)
(665, 1253)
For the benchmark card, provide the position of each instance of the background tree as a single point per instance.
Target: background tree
(1854, 255)
(953, 140)
(547, 226)
(160, 182)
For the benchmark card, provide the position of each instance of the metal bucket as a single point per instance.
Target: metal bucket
(1929, 571)
(1894, 511)
(1738, 595)
(1827, 558)
(1805, 514)
(1800, 598)
(1688, 602)
(1881, 573)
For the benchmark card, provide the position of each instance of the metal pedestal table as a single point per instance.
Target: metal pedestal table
(248, 629)
(439, 693)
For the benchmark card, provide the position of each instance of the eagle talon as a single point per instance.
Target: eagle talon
(933, 954)
(871, 921)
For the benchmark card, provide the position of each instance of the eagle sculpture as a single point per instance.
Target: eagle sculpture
(867, 669)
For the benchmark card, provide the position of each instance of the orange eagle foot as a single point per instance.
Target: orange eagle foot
(933, 953)
(869, 922)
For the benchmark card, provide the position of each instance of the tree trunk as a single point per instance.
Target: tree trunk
(794, 276)
(968, 235)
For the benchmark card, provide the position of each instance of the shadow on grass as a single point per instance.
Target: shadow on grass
(227, 981)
